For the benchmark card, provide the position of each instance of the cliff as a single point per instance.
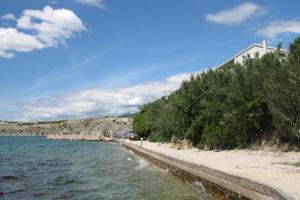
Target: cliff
(93, 126)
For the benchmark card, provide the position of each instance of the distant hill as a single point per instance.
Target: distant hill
(91, 126)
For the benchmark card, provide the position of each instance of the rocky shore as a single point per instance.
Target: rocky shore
(80, 137)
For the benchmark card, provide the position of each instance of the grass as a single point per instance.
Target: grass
(297, 164)
(42, 122)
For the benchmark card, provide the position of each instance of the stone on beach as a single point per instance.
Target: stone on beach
(80, 137)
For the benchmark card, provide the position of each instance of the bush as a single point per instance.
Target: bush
(233, 107)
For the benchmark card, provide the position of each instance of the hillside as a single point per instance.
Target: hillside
(93, 126)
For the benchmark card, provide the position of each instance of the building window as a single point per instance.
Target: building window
(256, 55)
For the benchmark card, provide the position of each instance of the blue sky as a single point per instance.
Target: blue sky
(85, 58)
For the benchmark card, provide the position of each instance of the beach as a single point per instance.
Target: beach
(275, 169)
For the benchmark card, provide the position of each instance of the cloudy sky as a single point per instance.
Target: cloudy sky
(82, 58)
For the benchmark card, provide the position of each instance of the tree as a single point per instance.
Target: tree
(232, 107)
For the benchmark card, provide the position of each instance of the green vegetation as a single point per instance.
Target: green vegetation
(233, 107)
(41, 122)
(297, 164)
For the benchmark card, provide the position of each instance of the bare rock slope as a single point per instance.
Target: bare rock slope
(93, 126)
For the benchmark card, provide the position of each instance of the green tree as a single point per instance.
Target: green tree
(232, 107)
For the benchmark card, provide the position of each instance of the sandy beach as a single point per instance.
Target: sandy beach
(270, 168)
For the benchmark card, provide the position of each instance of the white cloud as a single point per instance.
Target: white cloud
(46, 28)
(96, 3)
(236, 15)
(8, 17)
(11, 41)
(98, 102)
(278, 27)
(7, 55)
(53, 26)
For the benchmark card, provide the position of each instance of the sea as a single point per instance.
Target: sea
(37, 168)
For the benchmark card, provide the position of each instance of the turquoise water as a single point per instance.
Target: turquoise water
(36, 168)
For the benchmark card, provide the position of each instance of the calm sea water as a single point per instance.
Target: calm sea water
(36, 168)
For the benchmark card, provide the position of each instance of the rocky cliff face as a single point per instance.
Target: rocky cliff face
(95, 126)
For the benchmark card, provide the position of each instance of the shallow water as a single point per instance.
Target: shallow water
(36, 168)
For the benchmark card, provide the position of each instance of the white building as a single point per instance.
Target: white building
(252, 52)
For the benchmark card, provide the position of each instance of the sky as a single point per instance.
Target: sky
(89, 58)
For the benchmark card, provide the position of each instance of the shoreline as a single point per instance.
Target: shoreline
(80, 137)
(235, 174)
(70, 137)
(256, 171)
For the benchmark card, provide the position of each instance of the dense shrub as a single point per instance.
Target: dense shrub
(233, 107)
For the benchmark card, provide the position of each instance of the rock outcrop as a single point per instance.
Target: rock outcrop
(95, 126)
